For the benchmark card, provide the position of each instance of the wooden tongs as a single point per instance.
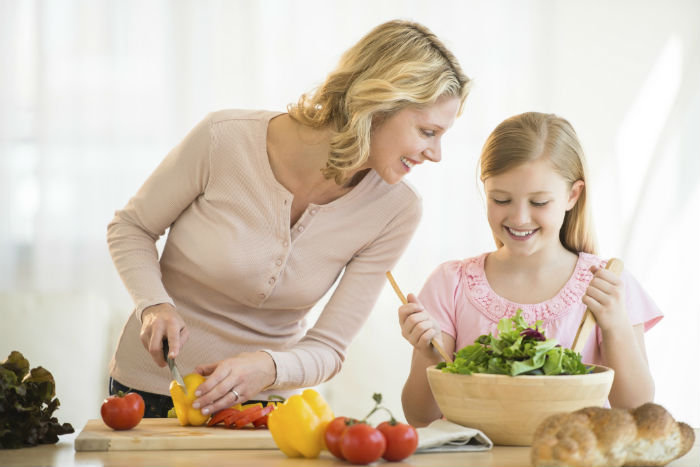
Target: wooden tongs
(588, 321)
(434, 342)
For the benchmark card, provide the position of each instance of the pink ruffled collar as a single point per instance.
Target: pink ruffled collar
(479, 292)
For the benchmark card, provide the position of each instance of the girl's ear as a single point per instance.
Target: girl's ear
(574, 193)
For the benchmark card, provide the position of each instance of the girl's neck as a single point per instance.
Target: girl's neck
(545, 258)
(529, 279)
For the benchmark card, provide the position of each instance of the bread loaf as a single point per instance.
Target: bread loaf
(592, 437)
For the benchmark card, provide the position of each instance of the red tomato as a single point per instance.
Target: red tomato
(401, 440)
(332, 435)
(362, 444)
(123, 411)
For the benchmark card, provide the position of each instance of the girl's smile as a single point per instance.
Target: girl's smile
(520, 235)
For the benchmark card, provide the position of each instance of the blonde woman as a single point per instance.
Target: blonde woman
(534, 175)
(266, 211)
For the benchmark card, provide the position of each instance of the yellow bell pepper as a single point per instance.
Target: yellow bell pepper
(298, 425)
(182, 403)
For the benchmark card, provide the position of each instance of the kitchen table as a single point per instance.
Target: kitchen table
(63, 454)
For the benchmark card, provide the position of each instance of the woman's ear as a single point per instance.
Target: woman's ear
(574, 193)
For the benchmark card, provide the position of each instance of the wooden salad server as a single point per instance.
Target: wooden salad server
(588, 322)
(434, 342)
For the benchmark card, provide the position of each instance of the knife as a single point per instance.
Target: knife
(173, 367)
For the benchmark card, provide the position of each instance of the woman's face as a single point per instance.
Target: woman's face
(409, 137)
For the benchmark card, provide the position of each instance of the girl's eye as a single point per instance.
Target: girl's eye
(428, 132)
(540, 204)
(501, 201)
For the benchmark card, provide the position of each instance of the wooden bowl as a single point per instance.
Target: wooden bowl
(508, 409)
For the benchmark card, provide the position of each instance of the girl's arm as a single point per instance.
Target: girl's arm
(419, 405)
(622, 345)
(624, 351)
(418, 327)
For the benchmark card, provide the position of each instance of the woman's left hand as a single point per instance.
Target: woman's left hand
(233, 381)
(605, 297)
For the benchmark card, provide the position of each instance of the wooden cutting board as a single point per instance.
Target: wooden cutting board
(168, 434)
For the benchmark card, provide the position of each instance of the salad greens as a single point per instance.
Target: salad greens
(518, 350)
(27, 404)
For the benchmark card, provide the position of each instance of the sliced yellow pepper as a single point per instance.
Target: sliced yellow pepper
(182, 403)
(298, 425)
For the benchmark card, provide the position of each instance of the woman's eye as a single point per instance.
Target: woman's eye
(428, 132)
(538, 204)
(501, 201)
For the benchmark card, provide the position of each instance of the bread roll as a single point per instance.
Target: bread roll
(592, 437)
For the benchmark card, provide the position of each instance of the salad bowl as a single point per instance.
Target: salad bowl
(507, 408)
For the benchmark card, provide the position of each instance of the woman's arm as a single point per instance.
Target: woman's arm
(319, 355)
(172, 187)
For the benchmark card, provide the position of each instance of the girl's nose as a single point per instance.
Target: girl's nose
(520, 214)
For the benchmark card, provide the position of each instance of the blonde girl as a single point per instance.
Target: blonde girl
(535, 181)
(266, 211)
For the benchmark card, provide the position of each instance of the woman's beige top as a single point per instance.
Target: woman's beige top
(241, 278)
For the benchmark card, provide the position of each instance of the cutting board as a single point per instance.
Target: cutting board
(168, 434)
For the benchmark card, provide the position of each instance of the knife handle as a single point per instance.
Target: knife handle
(166, 349)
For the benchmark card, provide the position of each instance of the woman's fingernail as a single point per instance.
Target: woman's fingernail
(195, 405)
(198, 393)
(205, 411)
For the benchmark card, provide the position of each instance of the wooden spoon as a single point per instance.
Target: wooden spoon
(433, 341)
(588, 321)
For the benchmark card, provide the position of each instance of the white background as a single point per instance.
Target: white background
(94, 93)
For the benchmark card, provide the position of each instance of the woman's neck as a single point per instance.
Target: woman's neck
(297, 155)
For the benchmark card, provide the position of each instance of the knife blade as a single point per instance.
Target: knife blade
(174, 370)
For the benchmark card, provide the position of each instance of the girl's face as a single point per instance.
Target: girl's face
(526, 206)
(409, 137)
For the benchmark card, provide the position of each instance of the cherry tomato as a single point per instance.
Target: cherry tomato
(362, 444)
(123, 411)
(332, 435)
(401, 440)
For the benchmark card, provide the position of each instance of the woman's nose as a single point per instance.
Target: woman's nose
(433, 153)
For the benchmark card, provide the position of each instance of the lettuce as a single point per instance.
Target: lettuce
(518, 350)
(27, 403)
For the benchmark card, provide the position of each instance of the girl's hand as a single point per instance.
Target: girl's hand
(418, 327)
(605, 297)
(246, 373)
(159, 322)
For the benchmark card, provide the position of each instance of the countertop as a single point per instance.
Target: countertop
(63, 454)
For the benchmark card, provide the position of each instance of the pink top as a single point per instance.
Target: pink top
(241, 277)
(460, 298)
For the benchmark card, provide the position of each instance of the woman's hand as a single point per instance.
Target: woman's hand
(159, 322)
(605, 297)
(419, 328)
(247, 374)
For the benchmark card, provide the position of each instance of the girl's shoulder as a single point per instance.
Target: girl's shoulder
(449, 277)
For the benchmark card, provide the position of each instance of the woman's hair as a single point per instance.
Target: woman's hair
(530, 136)
(398, 64)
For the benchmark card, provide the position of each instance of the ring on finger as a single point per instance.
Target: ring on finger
(235, 393)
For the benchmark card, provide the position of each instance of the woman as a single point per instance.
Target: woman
(267, 210)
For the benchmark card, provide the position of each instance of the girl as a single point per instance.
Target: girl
(534, 176)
